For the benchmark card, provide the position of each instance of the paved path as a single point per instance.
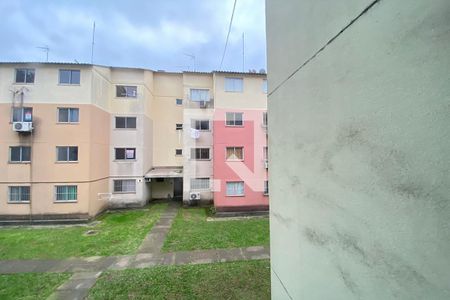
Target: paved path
(87, 270)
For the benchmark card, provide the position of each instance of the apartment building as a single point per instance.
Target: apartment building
(78, 138)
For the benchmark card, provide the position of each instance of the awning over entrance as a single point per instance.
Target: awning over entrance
(165, 172)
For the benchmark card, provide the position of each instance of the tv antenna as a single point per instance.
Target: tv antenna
(191, 56)
(46, 49)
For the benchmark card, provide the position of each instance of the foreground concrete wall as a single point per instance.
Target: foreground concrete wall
(359, 149)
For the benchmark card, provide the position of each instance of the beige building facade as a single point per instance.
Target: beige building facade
(104, 137)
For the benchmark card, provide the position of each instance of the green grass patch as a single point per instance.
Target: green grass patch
(234, 280)
(118, 233)
(191, 231)
(30, 285)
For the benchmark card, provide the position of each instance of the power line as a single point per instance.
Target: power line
(228, 35)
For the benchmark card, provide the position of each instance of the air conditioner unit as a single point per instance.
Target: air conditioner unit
(266, 164)
(194, 196)
(23, 126)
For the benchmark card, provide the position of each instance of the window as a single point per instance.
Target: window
(125, 186)
(20, 154)
(179, 126)
(266, 153)
(199, 153)
(24, 75)
(200, 124)
(69, 76)
(199, 183)
(68, 115)
(234, 84)
(125, 153)
(19, 194)
(67, 153)
(22, 114)
(264, 123)
(266, 187)
(235, 188)
(264, 86)
(198, 95)
(234, 119)
(128, 91)
(178, 151)
(179, 101)
(126, 122)
(66, 193)
(235, 153)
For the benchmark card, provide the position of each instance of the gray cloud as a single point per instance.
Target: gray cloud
(150, 34)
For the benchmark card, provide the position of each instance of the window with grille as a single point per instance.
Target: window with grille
(68, 115)
(20, 154)
(66, 193)
(200, 153)
(200, 183)
(235, 188)
(19, 194)
(234, 119)
(235, 153)
(67, 153)
(125, 186)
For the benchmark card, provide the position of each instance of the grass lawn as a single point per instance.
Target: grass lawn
(30, 285)
(191, 231)
(118, 233)
(233, 280)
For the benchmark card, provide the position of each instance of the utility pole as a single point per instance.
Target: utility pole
(46, 49)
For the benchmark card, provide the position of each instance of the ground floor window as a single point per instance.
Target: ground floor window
(66, 193)
(199, 183)
(235, 188)
(266, 187)
(19, 194)
(125, 186)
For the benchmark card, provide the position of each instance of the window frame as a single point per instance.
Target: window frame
(179, 100)
(125, 154)
(200, 149)
(234, 119)
(69, 114)
(25, 75)
(194, 124)
(234, 151)
(233, 90)
(179, 154)
(21, 161)
(235, 195)
(67, 153)
(264, 86)
(199, 89)
(70, 78)
(202, 188)
(122, 191)
(125, 122)
(126, 91)
(178, 126)
(67, 186)
(265, 120)
(20, 194)
(266, 188)
(22, 114)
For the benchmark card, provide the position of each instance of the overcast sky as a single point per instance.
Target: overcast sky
(135, 33)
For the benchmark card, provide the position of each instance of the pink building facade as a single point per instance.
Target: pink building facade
(240, 163)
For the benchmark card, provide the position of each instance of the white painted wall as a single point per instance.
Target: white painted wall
(359, 143)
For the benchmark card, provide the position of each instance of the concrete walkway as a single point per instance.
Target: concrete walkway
(87, 270)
